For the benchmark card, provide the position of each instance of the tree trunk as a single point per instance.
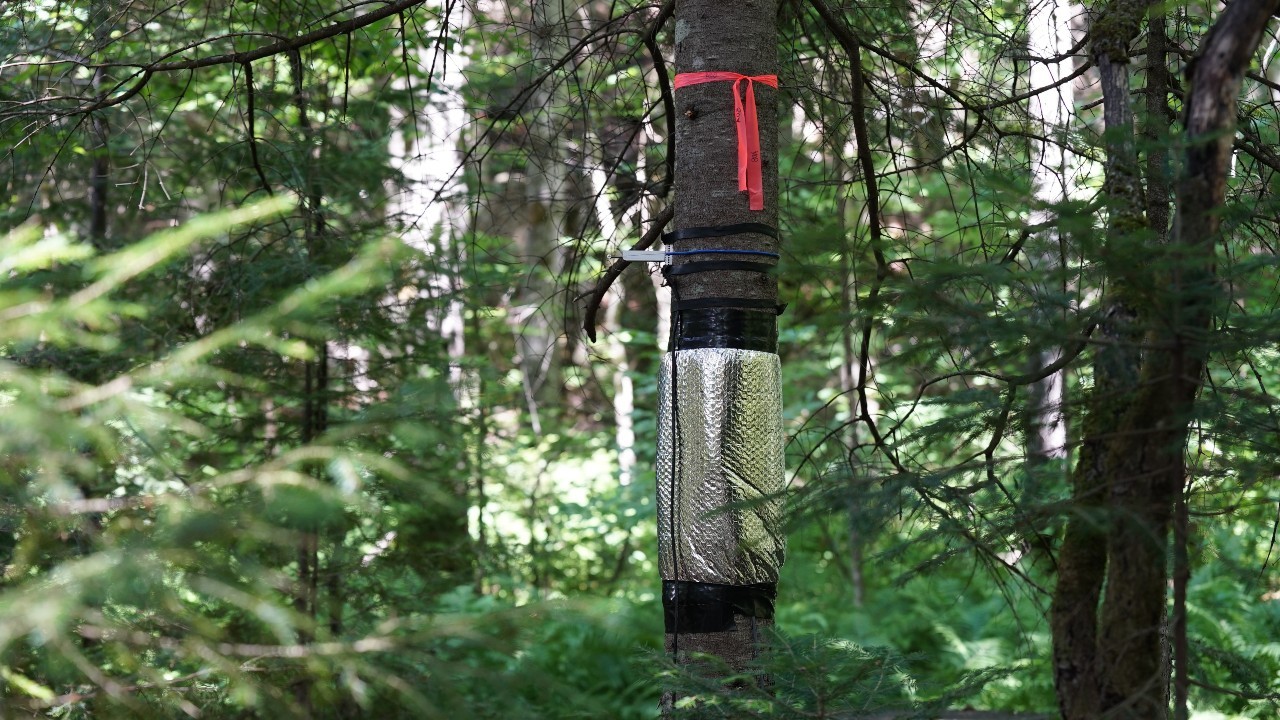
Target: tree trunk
(430, 218)
(720, 425)
(315, 390)
(1150, 451)
(1049, 36)
(1082, 559)
(535, 314)
(1109, 658)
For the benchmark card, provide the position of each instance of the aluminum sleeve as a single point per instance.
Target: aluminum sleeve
(725, 446)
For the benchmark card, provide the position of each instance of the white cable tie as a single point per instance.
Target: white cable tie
(644, 255)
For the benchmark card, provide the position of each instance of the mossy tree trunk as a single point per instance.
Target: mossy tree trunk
(1109, 645)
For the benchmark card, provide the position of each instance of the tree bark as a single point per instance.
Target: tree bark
(742, 39)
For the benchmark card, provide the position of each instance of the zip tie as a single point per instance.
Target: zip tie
(723, 252)
(750, 177)
(695, 233)
(701, 266)
(665, 255)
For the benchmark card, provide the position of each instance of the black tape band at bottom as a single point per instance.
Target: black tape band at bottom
(693, 607)
(721, 327)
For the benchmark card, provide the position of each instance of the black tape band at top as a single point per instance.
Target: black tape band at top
(721, 327)
(715, 302)
(711, 231)
(692, 607)
(702, 266)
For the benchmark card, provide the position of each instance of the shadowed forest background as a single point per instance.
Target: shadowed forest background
(315, 400)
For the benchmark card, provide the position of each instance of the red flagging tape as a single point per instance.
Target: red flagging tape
(749, 176)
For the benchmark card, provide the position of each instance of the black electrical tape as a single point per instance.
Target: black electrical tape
(722, 327)
(701, 266)
(710, 607)
(711, 231)
(700, 303)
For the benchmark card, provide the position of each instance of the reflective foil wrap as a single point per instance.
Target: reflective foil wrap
(726, 444)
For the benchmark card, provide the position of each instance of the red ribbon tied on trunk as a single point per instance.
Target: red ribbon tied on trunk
(749, 175)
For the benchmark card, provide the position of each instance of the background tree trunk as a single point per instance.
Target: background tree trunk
(430, 217)
(549, 218)
(99, 130)
(1082, 559)
(1049, 36)
(1109, 657)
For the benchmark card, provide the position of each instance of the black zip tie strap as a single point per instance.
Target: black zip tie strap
(711, 231)
(702, 266)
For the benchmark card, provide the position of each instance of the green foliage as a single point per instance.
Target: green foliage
(815, 677)
(268, 445)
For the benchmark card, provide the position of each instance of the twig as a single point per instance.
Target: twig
(664, 87)
(1234, 693)
(249, 129)
(606, 280)
(287, 45)
(669, 107)
(852, 45)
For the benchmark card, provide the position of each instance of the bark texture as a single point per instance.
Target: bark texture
(741, 38)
